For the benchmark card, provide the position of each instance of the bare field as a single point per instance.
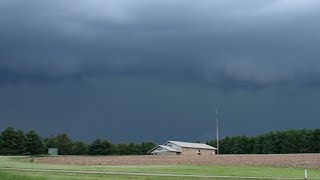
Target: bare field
(281, 160)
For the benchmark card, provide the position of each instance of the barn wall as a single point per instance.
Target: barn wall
(193, 151)
(163, 153)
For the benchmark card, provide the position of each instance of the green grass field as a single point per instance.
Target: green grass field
(29, 170)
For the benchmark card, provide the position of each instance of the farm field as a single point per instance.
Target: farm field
(282, 160)
(161, 167)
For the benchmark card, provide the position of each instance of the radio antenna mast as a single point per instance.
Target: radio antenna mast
(217, 129)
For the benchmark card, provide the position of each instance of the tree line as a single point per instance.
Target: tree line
(273, 142)
(17, 142)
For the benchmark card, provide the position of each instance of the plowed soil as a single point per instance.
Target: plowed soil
(284, 160)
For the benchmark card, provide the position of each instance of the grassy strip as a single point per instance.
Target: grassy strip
(5, 175)
(249, 171)
(18, 175)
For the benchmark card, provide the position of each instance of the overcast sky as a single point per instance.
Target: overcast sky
(156, 70)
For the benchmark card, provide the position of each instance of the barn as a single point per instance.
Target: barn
(183, 148)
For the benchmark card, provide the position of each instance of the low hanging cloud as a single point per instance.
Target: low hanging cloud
(262, 42)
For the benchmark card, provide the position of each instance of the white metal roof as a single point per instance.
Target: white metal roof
(192, 145)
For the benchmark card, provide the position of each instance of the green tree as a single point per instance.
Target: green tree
(315, 139)
(269, 146)
(80, 148)
(122, 149)
(241, 145)
(145, 147)
(107, 147)
(96, 147)
(34, 143)
(21, 145)
(258, 145)
(305, 141)
(289, 142)
(225, 145)
(12, 142)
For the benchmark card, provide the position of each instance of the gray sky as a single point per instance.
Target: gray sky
(156, 70)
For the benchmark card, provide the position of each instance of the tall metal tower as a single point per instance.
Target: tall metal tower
(217, 129)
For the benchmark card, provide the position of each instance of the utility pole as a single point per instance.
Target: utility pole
(217, 129)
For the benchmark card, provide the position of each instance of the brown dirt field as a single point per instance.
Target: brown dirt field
(287, 160)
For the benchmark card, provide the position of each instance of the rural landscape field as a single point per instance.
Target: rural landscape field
(162, 167)
(159, 89)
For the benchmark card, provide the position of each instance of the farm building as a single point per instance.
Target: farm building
(183, 148)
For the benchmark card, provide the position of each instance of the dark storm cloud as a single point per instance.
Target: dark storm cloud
(127, 108)
(246, 42)
(124, 69)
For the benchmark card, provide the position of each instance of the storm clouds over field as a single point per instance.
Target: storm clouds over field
(156, 70)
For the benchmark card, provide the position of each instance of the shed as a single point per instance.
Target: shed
(53, 151)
